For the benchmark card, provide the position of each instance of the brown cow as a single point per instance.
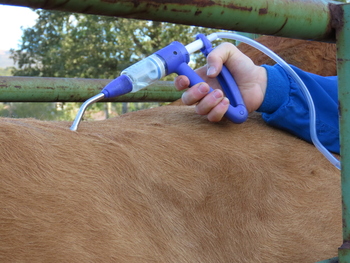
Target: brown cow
(164, 185)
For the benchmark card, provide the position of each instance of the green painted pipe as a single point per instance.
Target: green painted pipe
(307, 19)
(35, 89)
(343, 68)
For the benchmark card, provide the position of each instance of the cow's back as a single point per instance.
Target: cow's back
(164, 185)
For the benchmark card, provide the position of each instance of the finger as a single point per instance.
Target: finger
(217, 58)
(195, 94)
(181, 82)
(209, 102)
(218, 112)
(229, 55)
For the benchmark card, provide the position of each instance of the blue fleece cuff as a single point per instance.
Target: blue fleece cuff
(277, 90)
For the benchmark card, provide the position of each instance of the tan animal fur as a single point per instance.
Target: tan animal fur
(164, 185)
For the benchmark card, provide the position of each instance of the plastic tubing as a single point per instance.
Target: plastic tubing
(294, 75)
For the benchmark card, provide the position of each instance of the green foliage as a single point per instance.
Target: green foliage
(88, 46)
(41, 111)
(6, 71)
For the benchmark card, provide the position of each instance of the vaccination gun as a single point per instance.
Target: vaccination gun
(174, 58)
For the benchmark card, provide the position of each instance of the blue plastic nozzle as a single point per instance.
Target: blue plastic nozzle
(118, 87)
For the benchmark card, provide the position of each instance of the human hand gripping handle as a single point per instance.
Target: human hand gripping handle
(237, 111)
(176, 58)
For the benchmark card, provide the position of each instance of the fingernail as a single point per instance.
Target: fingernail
(182, 83)
(184, 97)
(203, 89)
(225, 101)
(217, 94)
(211, 70)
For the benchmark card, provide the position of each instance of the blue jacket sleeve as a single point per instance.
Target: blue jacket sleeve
(285, 106)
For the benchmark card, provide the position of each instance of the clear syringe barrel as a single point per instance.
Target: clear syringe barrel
(145, 72)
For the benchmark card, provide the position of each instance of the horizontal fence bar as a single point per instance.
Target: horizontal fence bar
(307, 19)
(36, 89)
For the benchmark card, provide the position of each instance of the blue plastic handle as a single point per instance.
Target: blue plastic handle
(176, 58)
(229, 86)
(232, 92)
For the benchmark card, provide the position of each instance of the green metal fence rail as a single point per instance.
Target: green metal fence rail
(305, 19)
(34, 89)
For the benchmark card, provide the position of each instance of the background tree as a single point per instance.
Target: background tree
(71, 45)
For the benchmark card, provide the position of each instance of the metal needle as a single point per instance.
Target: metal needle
(82, 109)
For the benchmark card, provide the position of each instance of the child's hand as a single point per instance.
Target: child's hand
(251, 80)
